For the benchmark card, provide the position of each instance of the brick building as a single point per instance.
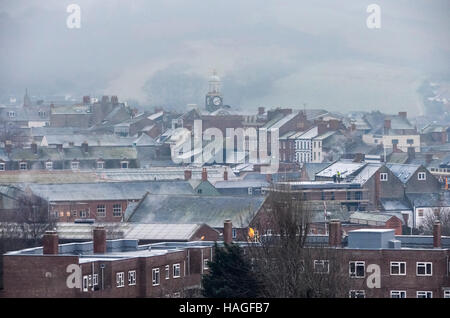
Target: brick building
(114, 268)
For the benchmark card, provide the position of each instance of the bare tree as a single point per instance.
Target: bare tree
(285, 261)
(441, 214)
(25, 229)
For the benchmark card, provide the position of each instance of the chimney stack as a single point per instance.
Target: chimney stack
(428, 158)
(59, 147)
(187, 175)
(105, 99)
(34, 148)
(261, 110)
(225, 175)
(359, 157)
(387, 125)
(334, 233)
(402, 114)
(84, 146)
(8, 146)
(411, 153)
(50, 243)
(437, 234)
(268, 177)
(86, 100)
(227, 232)
(204, 175)
(99, 238)
(114, 100)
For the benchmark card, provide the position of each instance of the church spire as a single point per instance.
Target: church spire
(26, 99)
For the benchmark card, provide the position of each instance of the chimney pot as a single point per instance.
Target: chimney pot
(387, 124)
(187, 175)
(227, 232)
(204, 174)
(34, 147)
(225, 175)
(437, 232)
(99, 238)
(50, 243)
(335, 234)
(84, 147)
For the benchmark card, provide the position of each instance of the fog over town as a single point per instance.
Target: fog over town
(160, 52)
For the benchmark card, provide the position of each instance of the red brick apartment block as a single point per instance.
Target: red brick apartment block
(105, 268)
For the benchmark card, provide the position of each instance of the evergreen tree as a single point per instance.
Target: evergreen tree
(230, 275)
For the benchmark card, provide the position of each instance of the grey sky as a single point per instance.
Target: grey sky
(270, 53)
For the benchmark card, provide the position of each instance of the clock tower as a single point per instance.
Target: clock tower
(214, 99)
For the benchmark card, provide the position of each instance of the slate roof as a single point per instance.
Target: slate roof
(429, 199)
(395, 205)
(371, 218)
(94, 153)
(312, 168)
(188, 209)
(346, 168)
(109, 190)
(366, 173)
(403, 171)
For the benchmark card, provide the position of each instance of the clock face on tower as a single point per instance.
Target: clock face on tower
(217, 100)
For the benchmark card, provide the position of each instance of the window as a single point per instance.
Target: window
(117, 210)
(398, 268)
(85, 283)
(132, 278)
(398, 293)
(74, 213)
(120, 279)
(424, 294)
(23, 166)
(124, 164)
(250, 191)
(101, 210)
(2, 167)
(205, 263)
(95, 279)
(11, 114)
(424, 269)
(167, 272)
(357, 269)
(420, 213)
(100, 164)
(233, 233)
(321, 266)
(421, 176)
(447, 293)
(61, 214)
(84, 213)
(74, 165)
(357, 294)
(176, 270)
(383, 176)
(155, 276)
(68, 213)
(49, 165)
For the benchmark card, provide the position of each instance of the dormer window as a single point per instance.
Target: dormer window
(2, 166)
(100, 164)
(11, 114)
(49, 165)
(124, 164)
(23, 166)
(75, 165)
(421, 176)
